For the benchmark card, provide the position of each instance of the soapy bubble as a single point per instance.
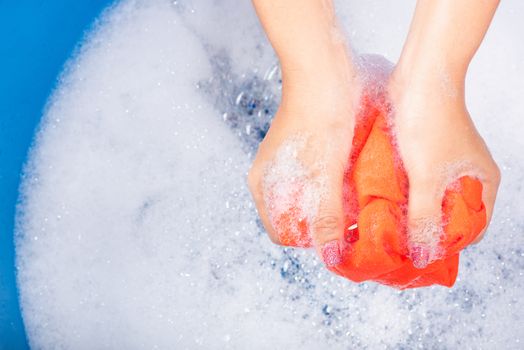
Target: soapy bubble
(293, 191)
(136, 230)
(285, 183)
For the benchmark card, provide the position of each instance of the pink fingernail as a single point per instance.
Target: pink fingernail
(419, 256)
(351, 235)
(331, 253)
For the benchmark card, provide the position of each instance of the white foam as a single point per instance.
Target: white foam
(143, 199)
(293, 188)
(424, 236)
(136, 229)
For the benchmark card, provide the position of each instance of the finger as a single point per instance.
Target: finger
(255, 187)
(327, 228)
(489, 195)
(424, 220)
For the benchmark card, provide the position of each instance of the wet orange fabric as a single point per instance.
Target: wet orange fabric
(375, 199)
(375, 196)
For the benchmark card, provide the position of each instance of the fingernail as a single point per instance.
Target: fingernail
(331, 253)
(351, 235)
(419, 256)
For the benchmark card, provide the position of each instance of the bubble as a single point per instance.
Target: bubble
(292, 193)
(146, 254)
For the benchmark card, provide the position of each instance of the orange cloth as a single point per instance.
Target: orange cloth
(375, 198)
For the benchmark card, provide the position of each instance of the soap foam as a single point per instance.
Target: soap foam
(136, 230)
(293, 190)
(425, 234)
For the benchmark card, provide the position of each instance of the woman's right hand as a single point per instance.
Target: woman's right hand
(438, 143)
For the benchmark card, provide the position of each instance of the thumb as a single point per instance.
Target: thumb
(327, 228)
(424, 221)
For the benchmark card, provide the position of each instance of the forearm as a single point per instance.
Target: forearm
(444, 36)
(307, 41)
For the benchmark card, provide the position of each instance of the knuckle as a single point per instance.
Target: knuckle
(496, 174)
(252, 179)
(492, 174)
(326, 224)
(274, 239)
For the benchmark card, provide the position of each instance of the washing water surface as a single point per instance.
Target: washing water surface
(136, 229)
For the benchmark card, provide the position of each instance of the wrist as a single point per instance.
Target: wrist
(324, 86)
(424, 72)
(329, 72)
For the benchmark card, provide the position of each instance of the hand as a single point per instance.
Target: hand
(296, 178)
(437, 139)
(438, 143)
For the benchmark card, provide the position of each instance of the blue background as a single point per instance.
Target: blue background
(36, 38)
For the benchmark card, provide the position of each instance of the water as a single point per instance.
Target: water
(136, 229)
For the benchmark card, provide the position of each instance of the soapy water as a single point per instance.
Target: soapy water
(136, 229)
